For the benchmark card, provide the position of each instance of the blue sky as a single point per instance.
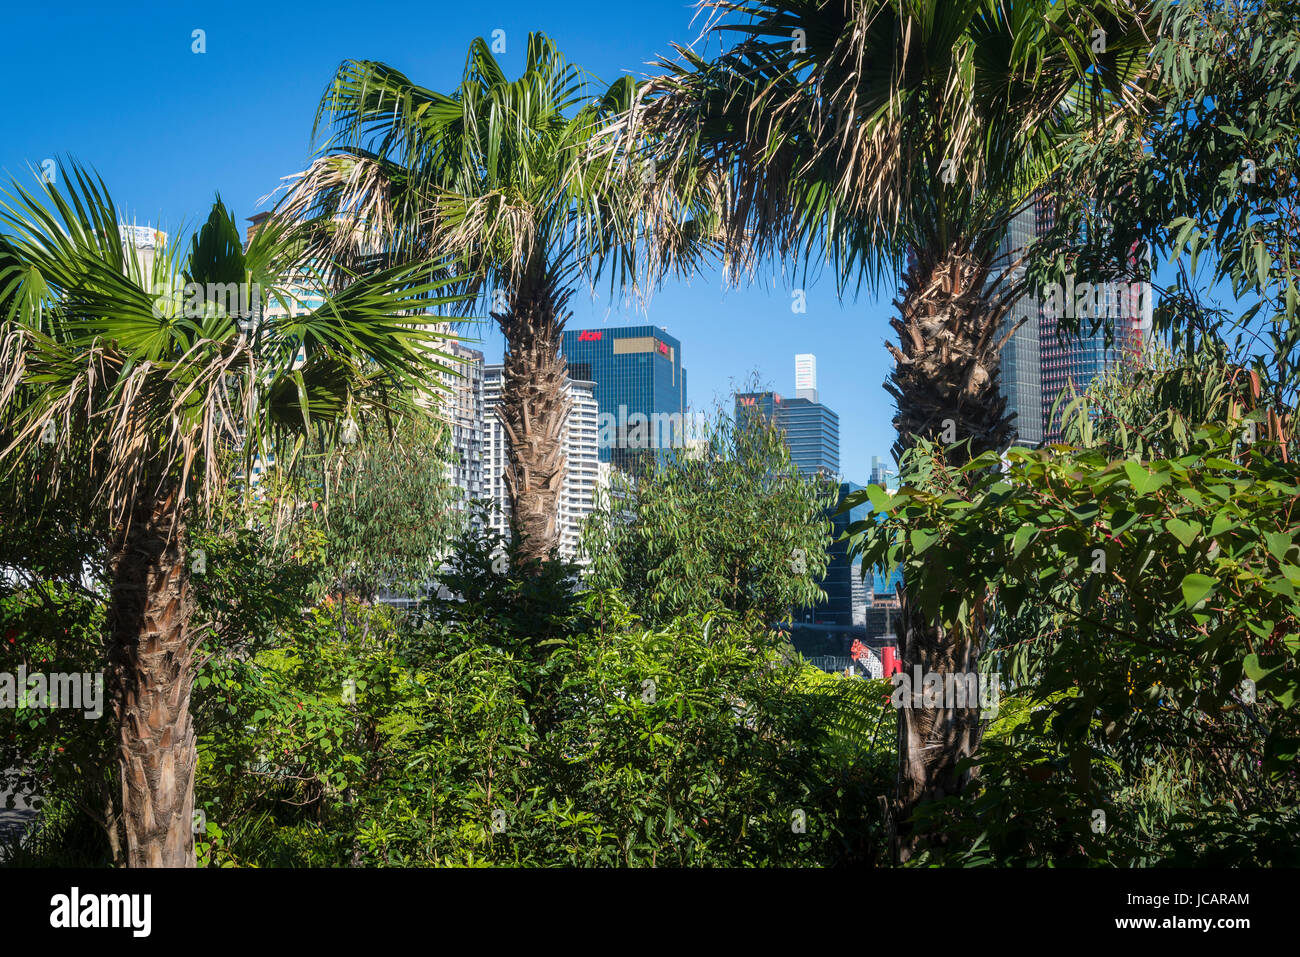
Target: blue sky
(119, 88)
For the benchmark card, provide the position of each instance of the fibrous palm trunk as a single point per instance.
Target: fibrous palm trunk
(945, 381)
(534, 411)
(151, 678)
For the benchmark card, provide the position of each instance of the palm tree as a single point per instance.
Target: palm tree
(895, 140)
(130, 384)
(501, 176)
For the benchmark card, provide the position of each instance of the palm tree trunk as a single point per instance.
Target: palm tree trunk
(534, 410)
(945, 381)
(152, 673)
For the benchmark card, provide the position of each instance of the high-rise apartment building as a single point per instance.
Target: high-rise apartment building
(584, 473)
(496, 451)
(463, 409)
(639, 386)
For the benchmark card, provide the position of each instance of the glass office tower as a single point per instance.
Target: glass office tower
(638, 372)
(1021, 378)
(813, 433)
(839, 583)
(1072, 360)
(811, 430)
(1063, 360)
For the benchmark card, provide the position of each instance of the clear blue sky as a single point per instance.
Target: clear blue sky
(117, 87)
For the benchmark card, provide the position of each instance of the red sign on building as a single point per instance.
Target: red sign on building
(589, 335)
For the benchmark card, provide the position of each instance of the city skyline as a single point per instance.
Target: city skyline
(811, 428)
(735, 333)
(60, 110)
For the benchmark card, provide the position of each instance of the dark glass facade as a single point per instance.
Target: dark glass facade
(811, 429)
(837, 609)
(1070, 359)
(1021, 379)
(637, 370)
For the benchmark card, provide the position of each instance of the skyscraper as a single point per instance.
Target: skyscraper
(1021, 380)
(883, 474)
(584, 473)
(462, 397)
(839, 608)
(813, 434)
(1073, 360)
(1041, 360)
(496, 451)
(639, 387)
(811, 429)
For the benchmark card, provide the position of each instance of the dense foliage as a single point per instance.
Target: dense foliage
(1136, 587)
(509, 720)
(1141, 595)
(675, 746)
(729, 521)
(1199, 178)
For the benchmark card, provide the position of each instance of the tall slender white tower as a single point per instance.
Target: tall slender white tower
(805, 376)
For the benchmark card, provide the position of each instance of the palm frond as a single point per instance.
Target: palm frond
(147, 392)
(851, 131)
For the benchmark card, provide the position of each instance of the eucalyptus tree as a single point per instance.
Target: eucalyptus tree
(1201, 179)
(894, 140)
(141, 389)
(732, 526)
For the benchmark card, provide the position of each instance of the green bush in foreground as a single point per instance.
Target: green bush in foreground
(1148, 613)
(679, 746)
